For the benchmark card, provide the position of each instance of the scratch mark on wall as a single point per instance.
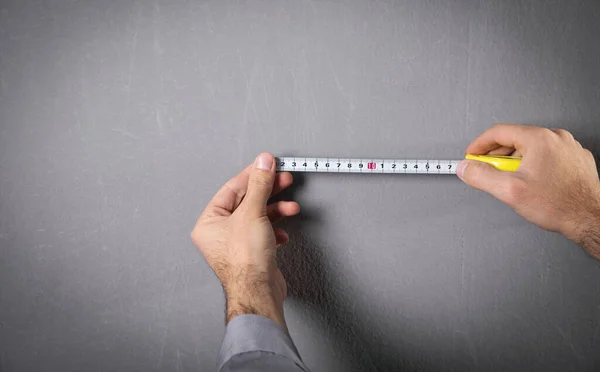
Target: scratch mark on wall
(470, 347)
(163, 342)
(314, 104)
(266, 97)
(211, 90)
(249, 100)
(209, 20)
(338, 84)
(312, 92)
(286, 16)
(569, 340)
(468, 87)
(295, 96)
(159, 120)
(312, 6)
(132, 53)
(125, 133)
(84, 95)
(178, 363)
(462, 267)
(158, 52)
(156, 14)
(462, 275)
(342, 90)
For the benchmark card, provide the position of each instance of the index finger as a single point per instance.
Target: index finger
(502, 135)
(229, 197)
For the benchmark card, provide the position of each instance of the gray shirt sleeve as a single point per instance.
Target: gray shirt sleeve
(256, 343)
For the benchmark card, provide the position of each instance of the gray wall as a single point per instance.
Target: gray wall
(120, 119)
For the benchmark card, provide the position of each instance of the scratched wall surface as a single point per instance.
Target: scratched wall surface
(120, 119)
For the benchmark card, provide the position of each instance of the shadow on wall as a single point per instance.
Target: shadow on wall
(312, 282)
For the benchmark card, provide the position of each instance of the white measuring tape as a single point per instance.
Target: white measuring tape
(368, 166)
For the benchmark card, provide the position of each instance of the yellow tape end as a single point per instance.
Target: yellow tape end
(503, 163)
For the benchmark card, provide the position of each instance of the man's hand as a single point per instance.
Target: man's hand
(556, 186)
(236, 236)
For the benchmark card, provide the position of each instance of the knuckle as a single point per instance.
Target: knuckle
(545, 133)
(516, 191)
(545, 137)
(500, 126)
(195, 235)
(590, 155)
(529, 128)
(260, 182)
(560, 132)
(564, 134)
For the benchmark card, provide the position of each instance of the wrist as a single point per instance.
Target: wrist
(259, 300)
(254, 293)
(586, 229)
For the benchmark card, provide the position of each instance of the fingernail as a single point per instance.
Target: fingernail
(263, 162)
(460, 168)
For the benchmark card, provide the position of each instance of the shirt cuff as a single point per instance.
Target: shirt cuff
(246, 333)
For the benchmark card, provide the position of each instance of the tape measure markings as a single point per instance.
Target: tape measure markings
(366, 166)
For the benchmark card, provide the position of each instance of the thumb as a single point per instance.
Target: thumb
(260, 184)
(485, 177)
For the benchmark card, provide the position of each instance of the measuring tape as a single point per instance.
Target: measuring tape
(395, 166)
